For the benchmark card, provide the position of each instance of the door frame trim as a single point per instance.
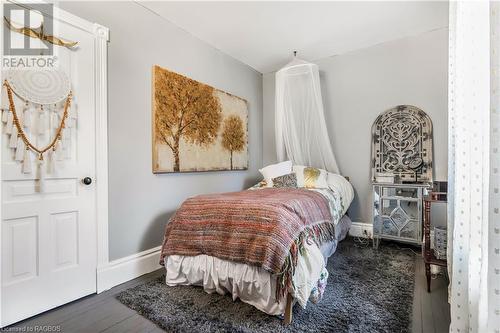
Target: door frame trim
(101, 39)
(101, 34)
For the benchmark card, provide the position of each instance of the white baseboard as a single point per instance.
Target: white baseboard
(128, 268)
(360, 229)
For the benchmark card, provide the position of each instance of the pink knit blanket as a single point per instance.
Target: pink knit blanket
(265, 228)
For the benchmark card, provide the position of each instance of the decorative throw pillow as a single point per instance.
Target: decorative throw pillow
(341, 185)
(275, 170)
(259, 185)
(310, 177)
(289, 180)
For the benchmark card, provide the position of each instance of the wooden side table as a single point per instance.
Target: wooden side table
(429, 257)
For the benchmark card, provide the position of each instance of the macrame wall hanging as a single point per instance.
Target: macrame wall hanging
(38, 118)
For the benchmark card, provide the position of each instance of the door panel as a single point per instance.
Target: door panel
(22, 191)
(65, 240)
(19, 246)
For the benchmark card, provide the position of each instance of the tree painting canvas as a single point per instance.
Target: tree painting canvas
(196, 127)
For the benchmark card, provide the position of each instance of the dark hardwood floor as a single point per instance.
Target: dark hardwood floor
(431, 311)
(103, 313)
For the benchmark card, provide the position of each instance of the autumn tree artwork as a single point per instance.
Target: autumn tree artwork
(196, 127)
(233, 136)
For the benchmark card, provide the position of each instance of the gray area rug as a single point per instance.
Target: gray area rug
(368, 291)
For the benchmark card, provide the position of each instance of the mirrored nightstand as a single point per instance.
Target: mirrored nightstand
(397, 212)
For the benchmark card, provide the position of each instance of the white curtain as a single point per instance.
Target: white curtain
(474, 163)
(301, 133)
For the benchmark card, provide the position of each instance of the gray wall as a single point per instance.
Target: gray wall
(359, 85)
(140, 202)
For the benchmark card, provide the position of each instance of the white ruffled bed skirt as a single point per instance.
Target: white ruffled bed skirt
(251, 284)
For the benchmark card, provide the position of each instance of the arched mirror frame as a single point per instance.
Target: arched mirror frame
(402, 145)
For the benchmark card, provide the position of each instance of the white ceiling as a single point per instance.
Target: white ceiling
(264, 34)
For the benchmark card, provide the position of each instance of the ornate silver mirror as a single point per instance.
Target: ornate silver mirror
(402, 145)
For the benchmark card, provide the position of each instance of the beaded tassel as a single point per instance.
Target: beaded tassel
(41, 174)
(10, 123)
(13, 138)
(5, 115)
(27, 161)
(54, 155)
(72, 116)
(55, 118)
(27, 117)
(59, 152)
(20, 148)
(5, 106)
(20, 115)
(42, 122)
(51, 161)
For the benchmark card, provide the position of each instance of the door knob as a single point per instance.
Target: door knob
(87, 180)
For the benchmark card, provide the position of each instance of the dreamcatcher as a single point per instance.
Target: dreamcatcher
(41, 128)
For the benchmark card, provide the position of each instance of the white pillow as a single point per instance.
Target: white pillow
(275, 170)
(339, 184)
(310, 177)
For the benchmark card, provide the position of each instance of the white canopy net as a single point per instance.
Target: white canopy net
(301, 133)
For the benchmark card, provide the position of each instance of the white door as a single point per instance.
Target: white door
(48, 238)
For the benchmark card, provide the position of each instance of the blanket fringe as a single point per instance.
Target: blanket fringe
(318, 234)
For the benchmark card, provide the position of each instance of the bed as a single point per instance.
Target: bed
(255, 284)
